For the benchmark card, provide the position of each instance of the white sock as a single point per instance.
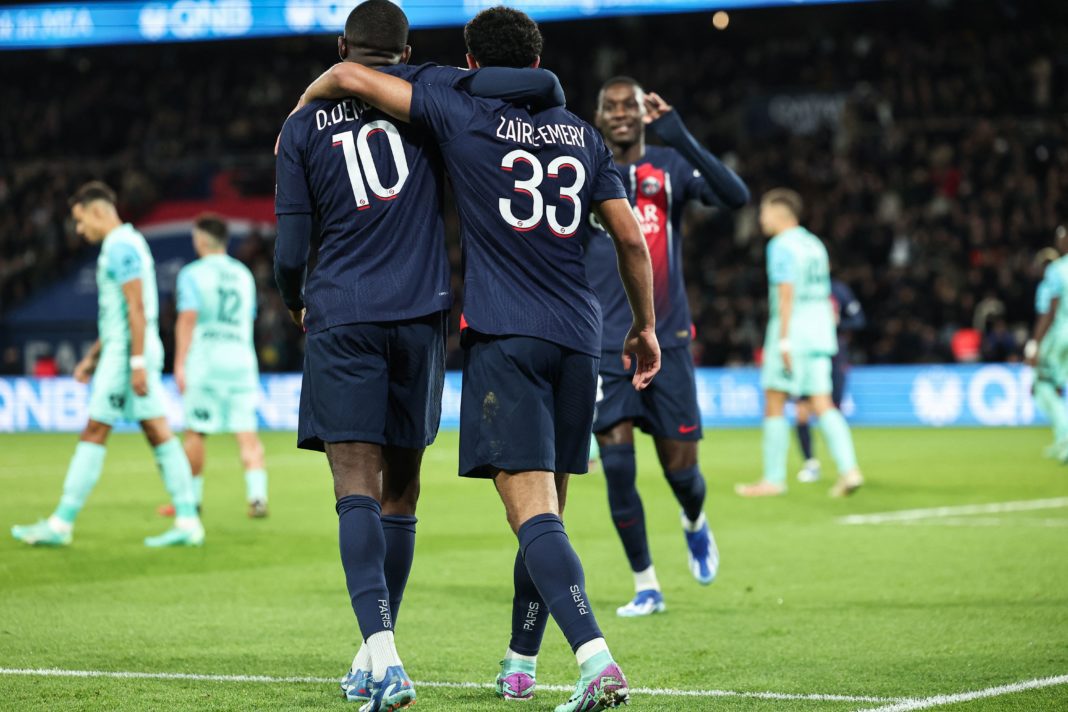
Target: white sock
(588, 650)
(60, 526)
(646, 580)
(383, 653)
(693, 526)
(186, 522)
(513, 655)
(362, 661)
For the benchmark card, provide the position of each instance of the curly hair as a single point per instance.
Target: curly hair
(503, 37)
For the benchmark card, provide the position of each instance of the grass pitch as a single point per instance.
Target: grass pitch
(803, 605)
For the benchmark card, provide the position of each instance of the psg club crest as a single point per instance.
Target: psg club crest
(650, 186)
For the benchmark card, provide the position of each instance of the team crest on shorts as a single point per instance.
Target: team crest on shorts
(651, 186)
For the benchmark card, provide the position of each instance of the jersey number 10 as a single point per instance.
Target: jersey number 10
(359, 151)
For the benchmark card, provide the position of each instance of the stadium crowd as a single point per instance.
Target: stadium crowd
(933, 170)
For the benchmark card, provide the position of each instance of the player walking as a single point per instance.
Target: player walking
(1047, 350)
(124, 366)
(377, 301)
(215, 358)
(660, 181)
(799, 345)
(524, 184)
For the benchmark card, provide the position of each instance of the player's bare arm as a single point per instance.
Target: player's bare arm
(183, 337)
(786, 311)
(85, 368)
(135, 315)
(381, 90)
(636, 270)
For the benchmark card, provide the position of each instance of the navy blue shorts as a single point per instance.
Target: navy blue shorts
(375, 383)
(527, 405)
(666, 409)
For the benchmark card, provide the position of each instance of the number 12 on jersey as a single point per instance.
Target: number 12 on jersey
(358, 151)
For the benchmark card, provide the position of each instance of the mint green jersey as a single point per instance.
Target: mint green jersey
(798, 257)
(1054, 285)
(124, 257)
(222, 292)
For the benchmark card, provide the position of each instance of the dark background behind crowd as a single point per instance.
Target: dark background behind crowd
(929, 139)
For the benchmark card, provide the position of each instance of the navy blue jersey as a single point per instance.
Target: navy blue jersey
(658, 186)
(375, 186)
(524, 184)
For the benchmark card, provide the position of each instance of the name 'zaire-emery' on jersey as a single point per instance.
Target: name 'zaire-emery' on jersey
(658, 186)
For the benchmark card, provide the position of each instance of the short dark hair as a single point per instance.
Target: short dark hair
(784, 196)
(503, 37)
(618, 80)
(378, 25)
(213, 225)
(93, 190)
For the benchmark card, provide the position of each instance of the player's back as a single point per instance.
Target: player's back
(800, 254)
(222, 291)
(524, 184)
(375, 186)
(1056, 281)
(125, 255)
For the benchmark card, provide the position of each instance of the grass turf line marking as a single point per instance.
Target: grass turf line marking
(126, 675)
(909, 515)
(940, 700)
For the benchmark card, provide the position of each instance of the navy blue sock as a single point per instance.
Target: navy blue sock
(399, 532)
(689, 488)
(363, 550)
(620, 473)
(804, 436)
(530, 615)
(557, 572)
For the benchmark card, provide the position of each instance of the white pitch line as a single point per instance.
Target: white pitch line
(987, 522)
(666, 692)
(906, 515)
(939, 700)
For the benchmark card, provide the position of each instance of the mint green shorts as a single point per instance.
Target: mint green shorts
(811, 374)
(215, 407)
(112, 397)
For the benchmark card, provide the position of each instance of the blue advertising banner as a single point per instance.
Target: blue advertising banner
(937, 396)
(105, 23)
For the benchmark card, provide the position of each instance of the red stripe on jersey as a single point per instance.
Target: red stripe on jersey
(651, 206)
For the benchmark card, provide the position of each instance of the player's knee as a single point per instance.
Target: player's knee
(95, 432)
(618, 434)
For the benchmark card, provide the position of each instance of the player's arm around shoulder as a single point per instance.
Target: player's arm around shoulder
(390, 94)
(636, 270)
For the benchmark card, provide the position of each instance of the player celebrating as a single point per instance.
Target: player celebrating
(124, 365)
(377, 303)
(1047, 350)
(799, 345)
(849, 315)
(524, 183)
(215, 358)
(659, 181)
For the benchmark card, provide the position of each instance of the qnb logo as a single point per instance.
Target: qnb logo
(937, 397)
(195, 19)
(383, 610)
(308, 15)
(531, 619)
(579, 599)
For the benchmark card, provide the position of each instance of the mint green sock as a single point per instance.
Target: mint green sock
(82, 475)
(595, 664)
(839, 440)
(256, 485)
(776, 448)
(198, 489)
(595, 451)
(177, 477)
(1052, 406)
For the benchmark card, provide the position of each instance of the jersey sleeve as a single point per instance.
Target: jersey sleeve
(781, 266)
(123, 262)
(608, 183)
(291, 193)
(443, 111)
(428, 73)
(188, 296)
